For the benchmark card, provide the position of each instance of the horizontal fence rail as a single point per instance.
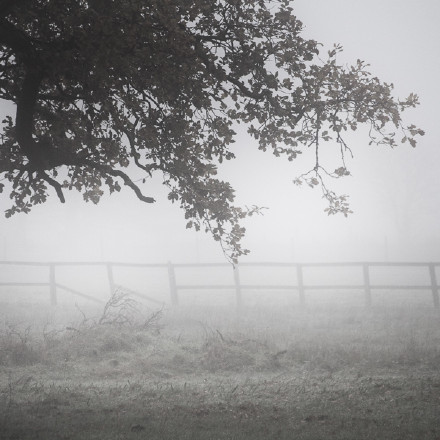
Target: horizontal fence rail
(175, 288)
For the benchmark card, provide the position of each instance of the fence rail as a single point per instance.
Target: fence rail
(175, 288)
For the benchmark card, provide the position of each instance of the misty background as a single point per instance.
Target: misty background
(393, 193)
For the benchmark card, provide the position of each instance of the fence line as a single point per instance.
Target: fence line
(174, 288)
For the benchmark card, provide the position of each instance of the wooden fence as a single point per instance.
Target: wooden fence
(175, 288)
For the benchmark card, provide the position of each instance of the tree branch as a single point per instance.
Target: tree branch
(134, 153)
(131, 184)
(118, 173)
(54, 183)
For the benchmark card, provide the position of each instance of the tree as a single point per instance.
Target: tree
(102, 86)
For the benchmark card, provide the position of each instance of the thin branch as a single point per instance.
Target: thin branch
(106, 169)
(54, 183)
(130, 183)
(134, 153)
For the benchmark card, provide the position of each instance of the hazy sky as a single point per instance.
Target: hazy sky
(394, 194)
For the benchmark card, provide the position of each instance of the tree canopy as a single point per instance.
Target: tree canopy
(103, 87)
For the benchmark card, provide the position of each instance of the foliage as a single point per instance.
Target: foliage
(105, 88)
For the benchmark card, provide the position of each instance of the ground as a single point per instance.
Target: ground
(333, 372)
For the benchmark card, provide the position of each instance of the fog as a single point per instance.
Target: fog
(268, 351)
(393, 193)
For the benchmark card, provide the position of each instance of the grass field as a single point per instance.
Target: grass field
(273, 372)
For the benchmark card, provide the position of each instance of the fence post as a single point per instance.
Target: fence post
(237, 285)
(434, 285)
(367, 285)
(53, 285)
(111, 281)
(173, 287)
(300, 282)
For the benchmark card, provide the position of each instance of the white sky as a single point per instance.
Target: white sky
(394, 193)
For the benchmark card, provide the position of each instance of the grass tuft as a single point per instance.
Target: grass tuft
(130, 372)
